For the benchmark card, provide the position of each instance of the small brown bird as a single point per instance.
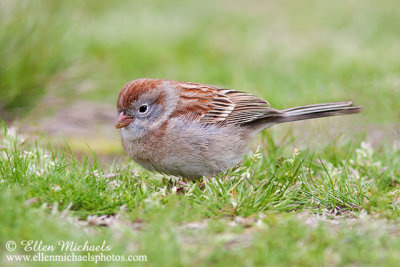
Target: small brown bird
(194, 130)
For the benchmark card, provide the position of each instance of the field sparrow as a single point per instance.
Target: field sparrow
(193, 130)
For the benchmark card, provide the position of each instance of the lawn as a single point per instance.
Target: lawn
(312, 193)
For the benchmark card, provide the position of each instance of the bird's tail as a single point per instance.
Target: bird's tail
(318, 111)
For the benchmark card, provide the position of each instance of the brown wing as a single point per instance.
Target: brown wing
(211, 104)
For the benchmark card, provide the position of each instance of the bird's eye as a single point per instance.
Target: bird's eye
(143, 108)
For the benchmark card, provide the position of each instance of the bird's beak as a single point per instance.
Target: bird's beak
(123, 120)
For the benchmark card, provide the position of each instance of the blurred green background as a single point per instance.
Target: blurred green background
(289, 52)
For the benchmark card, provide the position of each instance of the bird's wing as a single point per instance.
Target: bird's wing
(211, 104)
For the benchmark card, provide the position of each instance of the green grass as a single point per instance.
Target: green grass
(34, 49)
(304, 198)
(289, 53)
(255, 214)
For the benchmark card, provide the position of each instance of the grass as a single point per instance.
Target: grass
(296, 200)
(34, 49)
(253, 214)
(289, 53)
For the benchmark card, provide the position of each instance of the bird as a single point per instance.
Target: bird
(194, 130)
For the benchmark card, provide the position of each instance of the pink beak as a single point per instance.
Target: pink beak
(123, 120)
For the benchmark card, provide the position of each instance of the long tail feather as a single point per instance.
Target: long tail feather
(318, 111)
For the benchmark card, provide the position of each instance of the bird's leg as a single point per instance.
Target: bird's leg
(201, 184)
(182, 183)
(237, 166)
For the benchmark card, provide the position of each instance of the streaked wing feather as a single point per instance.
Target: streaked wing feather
(211, 104)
